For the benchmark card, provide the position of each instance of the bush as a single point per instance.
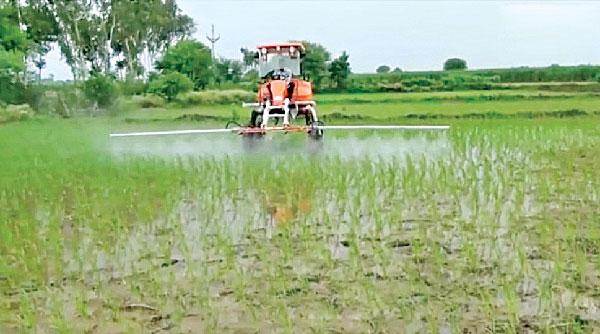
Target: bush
(251, 76)
(133, 87)
(383, 69)
(33, 95)
(170, 85)
(101, 90)
(216, 97)
(12, 113)
(455, 64)
(190, 58)
(64, 100)
(11, 89)
(148, 101)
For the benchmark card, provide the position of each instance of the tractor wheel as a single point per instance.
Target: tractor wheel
(256, 118)
(259, 120)
(315, 132)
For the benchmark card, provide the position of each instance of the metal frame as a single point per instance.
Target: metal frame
(304, 128)
(266, 109)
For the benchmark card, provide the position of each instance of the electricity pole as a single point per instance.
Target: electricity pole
(212, 39)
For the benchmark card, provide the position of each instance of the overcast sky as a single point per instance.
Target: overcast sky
(413, 35)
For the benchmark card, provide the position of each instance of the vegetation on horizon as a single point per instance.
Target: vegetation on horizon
(454, 64)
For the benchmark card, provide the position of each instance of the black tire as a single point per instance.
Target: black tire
(315, 132)
(255, 118)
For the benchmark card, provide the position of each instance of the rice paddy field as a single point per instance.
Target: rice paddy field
(491, 226)
(404, 106)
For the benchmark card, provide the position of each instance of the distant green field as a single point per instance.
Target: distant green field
(458, 95)
(385, 110)
(390, 105)
(582, 73)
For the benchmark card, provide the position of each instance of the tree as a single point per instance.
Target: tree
(190, 58)
(96, 34)
(40, 64)
(42, 29)
(81, 38)
(455, 64)
(397, 70)
(14, 45)
(150, 25)
(12, 38)
(100, 89)
(383, 69)
(315, 62)
(170, 85)
(340, 69)
(228, 70)
(250, 59)
(251, 76)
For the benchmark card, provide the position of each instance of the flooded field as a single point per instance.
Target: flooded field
(489, 227)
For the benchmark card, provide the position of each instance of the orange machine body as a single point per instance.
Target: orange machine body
(276, 91)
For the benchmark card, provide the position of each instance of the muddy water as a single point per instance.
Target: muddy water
(194, 227)
(479, 233)
(370, 144)
(196, 238)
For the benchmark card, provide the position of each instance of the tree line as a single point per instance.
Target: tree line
(117, 36)
(95, 37)
(103, 40)
(102, 36)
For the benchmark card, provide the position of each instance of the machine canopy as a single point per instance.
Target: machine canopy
(280, 56)
(275, 62)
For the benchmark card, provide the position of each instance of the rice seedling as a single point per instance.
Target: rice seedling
(492, 226)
